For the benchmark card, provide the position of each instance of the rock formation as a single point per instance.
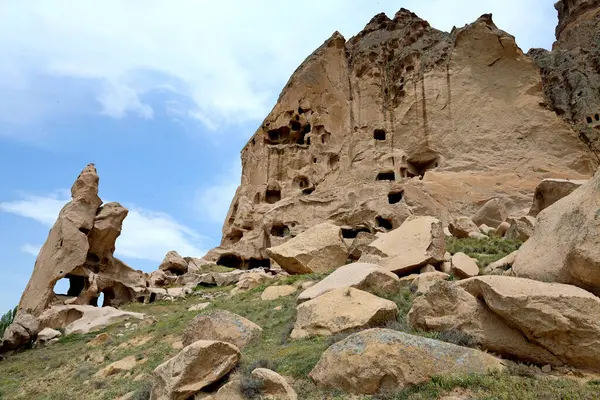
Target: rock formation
(80, 247)
(404, 119)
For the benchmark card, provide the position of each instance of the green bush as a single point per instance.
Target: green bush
(6, 320)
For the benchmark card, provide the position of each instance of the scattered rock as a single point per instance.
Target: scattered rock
(521, 228)
(199, 307)
(493, 213)
(367, 277)
(318, 249)
(84, 319)
(486, 230)
(275, 385)
(223, 326)
(251, 280)
(423, 282)
(126, 364)
(478, 235)
(22, 332)
(502, 265)
(275, 292)
(47, 334)
(195, 367)
(174, 263)
(547, 368)
(502, 229)
(342, 310)
(461, 227)
(359, 244)
(160, 278)
(565, 246)
(427, 268)
(549, 191)
(382, 359)
(463, 266)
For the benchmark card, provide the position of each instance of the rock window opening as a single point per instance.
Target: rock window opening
(76, 285)
(301, 182)
(379, 134)
(597, 117)
(589, 120)
(234, 236)
(230, 261)
(384, 223)
(386, 176)
(352, 233)
(325, 137)
(314, 160)
(233, 212)
(280, 230)
(296, 125)
(273, 194)
(100, 300)
(395, 197)
(152, 298)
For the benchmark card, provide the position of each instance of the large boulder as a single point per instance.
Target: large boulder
(22, 332)
(274, 385)
(84, 319)
(530, 320)
(461, 227)
(174, 263)
(422, 282)
(492, 213)
(549, 191)
(368, 277)
(221, 325)
(417, 242)
(359, 244)
(342, 310)
(463, 266)
(565, 245)
(318, 249)
(382, 359)
(195, 367)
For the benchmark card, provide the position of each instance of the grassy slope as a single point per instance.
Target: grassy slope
(66, 370)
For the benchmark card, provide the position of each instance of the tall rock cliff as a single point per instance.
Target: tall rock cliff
(400, 120)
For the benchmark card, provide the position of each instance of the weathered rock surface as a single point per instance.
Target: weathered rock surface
(174, 263)
(367, 277)
(47, 334)
(402, 120)
(359, 244)
(423, 282)
(417, 242)
(502, 265)
(493, 212)
(382, 359)
(126, 364)
(195, 367)
(84, 319)
(275, 385)
(549, 191)
(319, 249)
(461, 227)
(275, 292)
(463, 266)
(565, 246)
(546, 323)
(80, 248)
(221, 325)
(342, 310)
(22, 332)
(521, 228)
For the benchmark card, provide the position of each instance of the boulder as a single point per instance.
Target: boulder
(47, 334)
(22, 332)
(174, 263)
(386, 360)
(275, 292)
(359, 244)
(502, 229)
(492, 213)
(318, 249)
(463, 266)
(565, 245)
(199, 307)
(341, 310)
(222, 326)
(160, 278)
(446, 265)
(126, 364)
(427, 268)
(195, 367)
(486, 230)
(252, 280)
(226, 278)
(502, 265)
(275, 385)
(423, 282)
(521, 228)
(367, 277)
(478, 236)
(417, 242)
(549, 191)
(546, 323)
(84, 319)
(461, 227)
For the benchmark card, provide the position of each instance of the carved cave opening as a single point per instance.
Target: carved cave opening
(293, 134)
(352, 233)
(76, 285)
(301, 182)
(384, 223)
(273, 193)
(280, 230)
(258, 263)
(230, 261)
(379, 134)
(395, 197)
(234, 236)
(386, 176)
(417, 167)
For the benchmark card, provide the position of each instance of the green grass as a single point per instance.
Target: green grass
(486, 251)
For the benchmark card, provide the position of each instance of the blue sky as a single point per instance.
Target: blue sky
(162, 96)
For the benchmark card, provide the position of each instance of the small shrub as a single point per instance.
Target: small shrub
(399, 325)
(522, 370)
(457, 337)
(251, 387)
(6, 320)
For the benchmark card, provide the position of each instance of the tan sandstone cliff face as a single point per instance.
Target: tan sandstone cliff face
(400, 120)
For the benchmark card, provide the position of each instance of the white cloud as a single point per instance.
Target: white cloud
(229, 57)
(31, 249)
(146, 235)
(214, 201)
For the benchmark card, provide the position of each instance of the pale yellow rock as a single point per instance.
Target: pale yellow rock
(199, 307)
(502, 265)
(521, 228)
(84, 319)
(461, 227)
(427, 268)
(424, 281)
(306, 285)
(341, 310)
(275, 292)
(127, 396)
(463, 266)
(126, 364)
(47, 334)
(318, 249)
(177, 345)
(221, 325)
(502, 228)
(174, 263)
(275, 386)
(549, 191)
(367, 277)
(386, 360)
(195, 367)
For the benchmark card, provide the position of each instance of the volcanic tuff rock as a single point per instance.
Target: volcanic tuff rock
(80, 247)
(401, 120)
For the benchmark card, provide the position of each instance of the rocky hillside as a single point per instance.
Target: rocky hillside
(417, 219)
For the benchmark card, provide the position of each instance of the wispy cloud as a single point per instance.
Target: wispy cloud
(146, 235)
(31, 249)
(213, 201)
